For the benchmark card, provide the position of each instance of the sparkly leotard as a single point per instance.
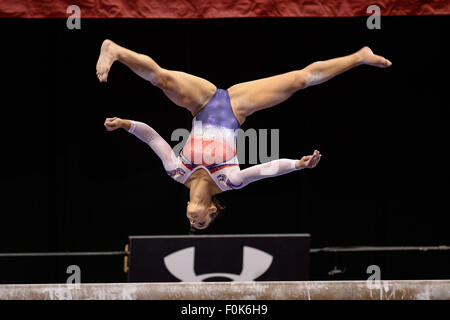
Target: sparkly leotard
(211, 146)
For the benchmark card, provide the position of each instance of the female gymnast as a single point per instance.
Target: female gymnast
(208, 163)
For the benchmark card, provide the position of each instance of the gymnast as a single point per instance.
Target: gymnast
(208, 163)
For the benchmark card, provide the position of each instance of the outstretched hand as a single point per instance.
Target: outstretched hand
(112, 124)
(309, 161)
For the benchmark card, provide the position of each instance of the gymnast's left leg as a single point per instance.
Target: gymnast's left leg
(249, 97)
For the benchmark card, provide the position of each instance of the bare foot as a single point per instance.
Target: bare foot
(106, 59)
(368, 57)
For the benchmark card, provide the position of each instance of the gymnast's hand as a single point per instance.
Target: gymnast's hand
(308, 161)
(112, 124)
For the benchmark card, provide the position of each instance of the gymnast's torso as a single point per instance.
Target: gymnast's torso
(211, 144)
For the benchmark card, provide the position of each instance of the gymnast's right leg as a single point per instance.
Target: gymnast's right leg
(186, 90)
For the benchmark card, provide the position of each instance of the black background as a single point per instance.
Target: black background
(68, 185)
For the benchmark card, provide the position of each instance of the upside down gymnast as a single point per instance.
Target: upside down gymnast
(218, 114)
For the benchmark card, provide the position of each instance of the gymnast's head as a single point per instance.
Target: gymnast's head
(201, 215)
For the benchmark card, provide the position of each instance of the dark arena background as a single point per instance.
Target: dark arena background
(73, 193)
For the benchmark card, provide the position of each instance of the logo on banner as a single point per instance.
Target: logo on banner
(181, 265)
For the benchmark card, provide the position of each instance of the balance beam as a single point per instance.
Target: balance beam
(304, 290)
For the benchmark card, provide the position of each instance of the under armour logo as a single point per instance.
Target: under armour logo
(181, 265)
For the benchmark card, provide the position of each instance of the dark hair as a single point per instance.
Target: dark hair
(220, 210)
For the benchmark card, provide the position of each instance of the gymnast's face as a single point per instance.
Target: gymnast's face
(200, 215)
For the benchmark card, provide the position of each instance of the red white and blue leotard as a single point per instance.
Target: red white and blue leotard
(211, 146)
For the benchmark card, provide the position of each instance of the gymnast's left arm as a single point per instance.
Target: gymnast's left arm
(241, 178)
(148, 135)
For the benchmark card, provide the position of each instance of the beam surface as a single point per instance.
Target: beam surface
(305, 290)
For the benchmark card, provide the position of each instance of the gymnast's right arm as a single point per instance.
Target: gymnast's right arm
(148, 135)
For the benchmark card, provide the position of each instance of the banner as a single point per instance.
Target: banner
(202, 9)
(283, 257)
